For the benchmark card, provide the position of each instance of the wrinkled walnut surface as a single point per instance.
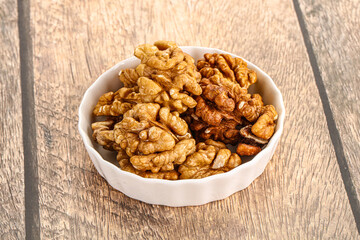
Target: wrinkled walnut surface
(225, 106)
(167, 102)
(210, 158)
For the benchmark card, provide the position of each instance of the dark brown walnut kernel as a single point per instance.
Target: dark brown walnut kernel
(225, 110)
(244, 149)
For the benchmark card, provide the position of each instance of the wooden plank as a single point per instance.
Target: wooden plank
(12, 212)
(300, 194)
(336, 47)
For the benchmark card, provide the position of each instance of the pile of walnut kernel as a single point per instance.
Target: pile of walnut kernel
(173, 119)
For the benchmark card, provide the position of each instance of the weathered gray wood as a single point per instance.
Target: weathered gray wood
(300, 194)
(12, 211)
(334, 29)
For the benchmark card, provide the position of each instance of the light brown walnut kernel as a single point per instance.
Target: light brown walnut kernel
(145, 51)
(139, 117)
(121, 155)
(128, 77)
(187, 83)
(154, 140)
(166, 59)
(208, 160)
(204, 155)
(183, 76)
(169, 66)
(221, 159)
(197, 172)
(108, 105)
(233, 161)
(149, 91)
(163, 58)
(144, 111)
(163, 45)
(179, 105)
(265, 125)
(103, 134)
(132, 125)
(173, 121)
(127, 141)
(144, 70)
(126, 165)
(148, 86)
(156, 161)
(217, 144)
(182, 98)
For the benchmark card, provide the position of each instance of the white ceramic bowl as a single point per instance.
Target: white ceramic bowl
(180, 192)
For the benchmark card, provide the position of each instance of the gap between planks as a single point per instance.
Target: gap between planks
(333, 131)
(31, 178)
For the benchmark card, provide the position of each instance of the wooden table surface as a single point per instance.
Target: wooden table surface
(52, 51)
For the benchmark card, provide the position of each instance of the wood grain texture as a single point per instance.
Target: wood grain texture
(11, 149)
(334, 29)
(300, 194)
